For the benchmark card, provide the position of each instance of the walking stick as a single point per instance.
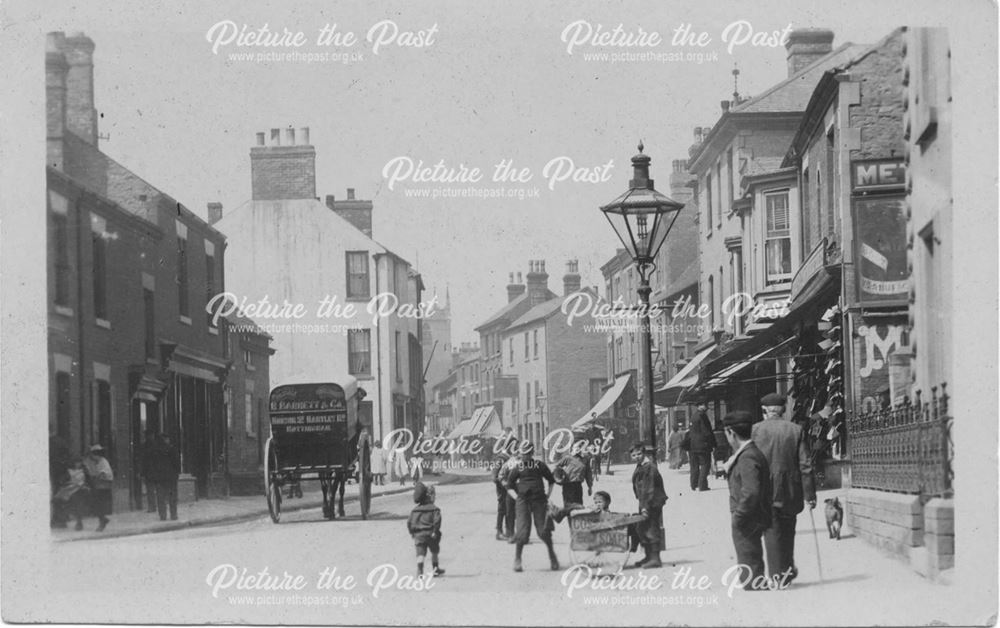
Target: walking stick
(819, 561)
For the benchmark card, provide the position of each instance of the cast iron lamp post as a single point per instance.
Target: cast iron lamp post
(642, 218)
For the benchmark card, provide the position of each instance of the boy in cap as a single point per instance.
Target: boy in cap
(749, 496)
(783, 445)
(647, 484)
(424, 525)
(526, 484)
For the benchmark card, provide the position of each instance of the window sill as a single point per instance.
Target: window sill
(152, 361)
(251, 368)
(103, 323)
(213, 330)
(252, 435)
(362, 376)
(360, 298)
(185, 319)
(62, 309)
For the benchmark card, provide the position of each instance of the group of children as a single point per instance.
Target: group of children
(424, 523)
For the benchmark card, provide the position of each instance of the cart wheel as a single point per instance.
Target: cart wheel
(365, 478)
(272, 486)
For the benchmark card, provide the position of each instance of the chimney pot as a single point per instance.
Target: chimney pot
(260, 139)
(329, 201)
(519, 277)
(725, 106)
(350, 194)
(275, 137)
(290, 136)
(214, 213)
(807, 45)
(304, 136)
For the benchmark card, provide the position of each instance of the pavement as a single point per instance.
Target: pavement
(204, 512)
(167, 576)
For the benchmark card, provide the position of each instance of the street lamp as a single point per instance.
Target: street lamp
(642, 218)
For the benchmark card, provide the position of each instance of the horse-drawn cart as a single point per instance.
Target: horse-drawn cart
(316, 435)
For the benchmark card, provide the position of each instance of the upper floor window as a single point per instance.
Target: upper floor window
(535, 342)
(358, 283)
(708, 203)
(182, 271)
(359, 352)
(510, 342)
(777, 238)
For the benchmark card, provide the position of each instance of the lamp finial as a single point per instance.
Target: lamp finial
(640, 146)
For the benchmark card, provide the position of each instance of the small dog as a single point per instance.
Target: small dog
(834, 517)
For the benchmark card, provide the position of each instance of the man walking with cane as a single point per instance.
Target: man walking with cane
(783, 445)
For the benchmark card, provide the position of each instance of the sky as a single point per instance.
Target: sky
(497, 83)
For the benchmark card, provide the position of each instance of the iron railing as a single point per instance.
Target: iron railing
(906, 449)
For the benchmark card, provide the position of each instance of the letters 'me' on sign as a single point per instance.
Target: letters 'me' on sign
(878, 174)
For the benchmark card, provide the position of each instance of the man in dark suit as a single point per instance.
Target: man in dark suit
(700, 441)
(783, 444)
(749, 498)
(163, 469)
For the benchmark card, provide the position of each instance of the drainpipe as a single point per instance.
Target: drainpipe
(378, 354)
(79, 321)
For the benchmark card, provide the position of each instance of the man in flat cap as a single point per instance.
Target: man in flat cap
(783, 445)
(749, 498)
(647, 484)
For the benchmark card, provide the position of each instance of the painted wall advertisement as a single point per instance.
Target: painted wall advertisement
(880, 234)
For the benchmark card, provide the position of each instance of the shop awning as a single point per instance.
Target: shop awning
(486, 422)
(463, 428)
(602, 406)
(730, 374)
(670, 393)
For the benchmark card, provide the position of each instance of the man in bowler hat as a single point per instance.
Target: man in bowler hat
(784, 446)
(749, 498)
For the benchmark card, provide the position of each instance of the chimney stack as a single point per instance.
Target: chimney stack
(214, 213)
(725, 106)
(514, 290)
(354, 211)
(283, 172)
(806, 46)
(56, 69)
(538, 282)
(81, 117)
(571, 280)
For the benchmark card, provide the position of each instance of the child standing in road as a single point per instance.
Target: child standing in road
(425, 527)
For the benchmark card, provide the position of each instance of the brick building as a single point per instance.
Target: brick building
(496, 387)
(248, 348)
(436, 349)
(750, 244)
(130, 271)
(558, 367)
(287, 246)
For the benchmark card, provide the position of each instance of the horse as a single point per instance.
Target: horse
(332, 482)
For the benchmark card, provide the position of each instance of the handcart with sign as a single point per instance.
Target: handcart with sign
(600, 539)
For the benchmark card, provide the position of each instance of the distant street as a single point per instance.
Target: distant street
(162, 577)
